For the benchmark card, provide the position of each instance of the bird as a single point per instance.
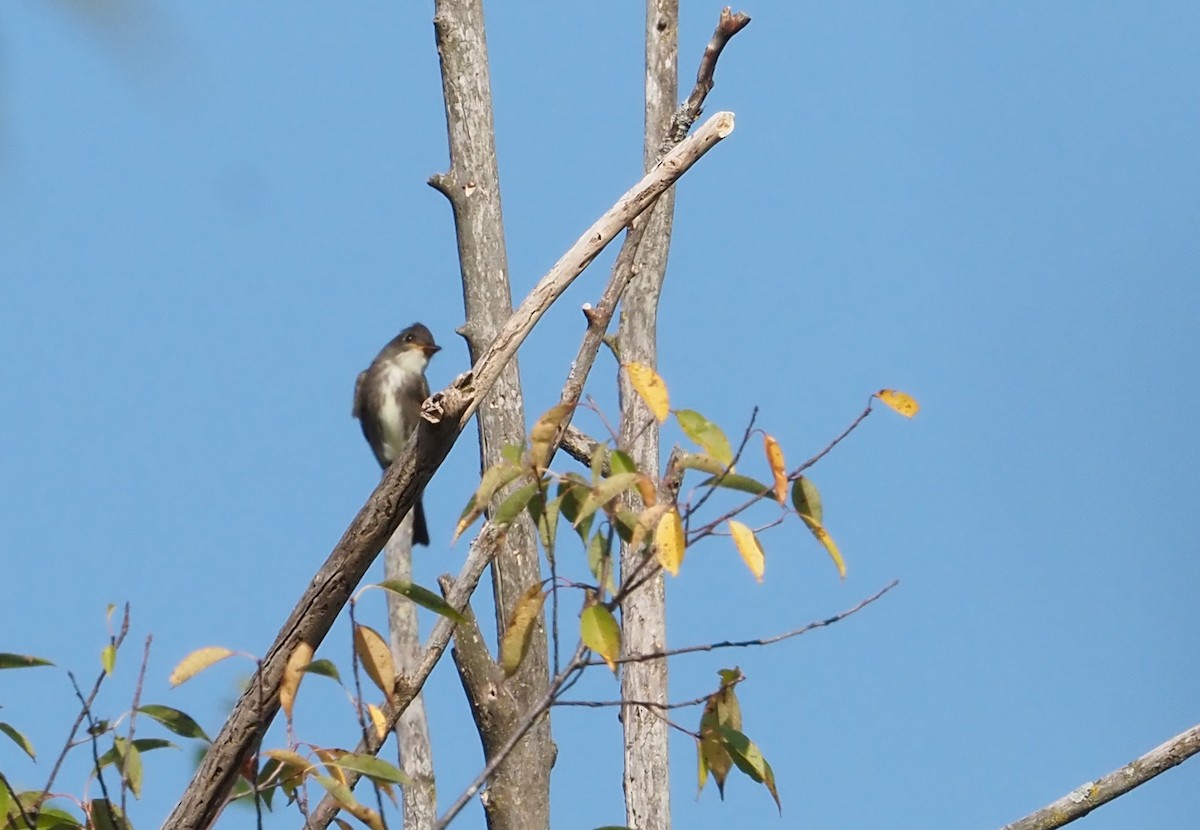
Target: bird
(387, 402)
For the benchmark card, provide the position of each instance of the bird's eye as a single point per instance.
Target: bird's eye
(408, 338)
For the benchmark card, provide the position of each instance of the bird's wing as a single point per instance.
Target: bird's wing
(359, 394)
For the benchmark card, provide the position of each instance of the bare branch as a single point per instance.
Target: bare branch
(1091, 794)
(762, 641)
(443, 418)
(727, 26)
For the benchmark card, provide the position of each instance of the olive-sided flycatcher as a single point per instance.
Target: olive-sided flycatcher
(388, 398)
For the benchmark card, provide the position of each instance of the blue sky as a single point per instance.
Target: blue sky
(212, 216)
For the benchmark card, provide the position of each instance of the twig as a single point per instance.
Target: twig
(576, 665)
(137, 697)
(712, 488)
(1091, 794)
(115, 642)
(762, 641)
(87, 713)
(710, 527)
(727, 26)
(647, 704)
(862, 416)
(483, 549)
(12, 794)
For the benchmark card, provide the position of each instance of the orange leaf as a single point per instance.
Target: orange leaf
(292, 675)
(778, 467)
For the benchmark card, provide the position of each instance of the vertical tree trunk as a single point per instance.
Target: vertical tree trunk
(519, 794)
(643, 614)
(412, 730)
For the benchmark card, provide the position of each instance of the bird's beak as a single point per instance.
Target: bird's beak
(431, 350)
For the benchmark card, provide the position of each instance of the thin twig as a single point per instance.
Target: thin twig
(115, 642)
(762, 641)
(87, 713)
(647, 704)
(482, 551)
(576, 664)
(137, 698)
(716, 482)
(710, 527)
(29, 822)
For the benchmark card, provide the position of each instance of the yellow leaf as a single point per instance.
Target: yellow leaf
(196, 662)
(517, 637)
(778, 467)
(289, 758)
(748, 547)
(329, 757)
(903, 403)
(647, 522)
(669, 541)
(376, 657)
(108, 658)
(599, 632)
(825, 539)
(650, 388)
(378, 721)
(292, 675)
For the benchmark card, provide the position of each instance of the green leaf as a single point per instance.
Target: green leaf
(341, 793)
(604, 492)
(519, 634)
(20, 741)
(625, 523)
(376, 769)
(703, 463)
(736, 481)
(599, 457)
(512, 506)
(600, 562)
(106, 816)
(599, 631)
(21, 661)
(129, 762)
(325, 668)
(51, 818)
(178, 722)
(620, 462)
(707, 434)
(572, 490)
(749, 759)
(423, 597)
(545, 516)
(806, 498)
(512, 453)
(497, 476)
(141, 744)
